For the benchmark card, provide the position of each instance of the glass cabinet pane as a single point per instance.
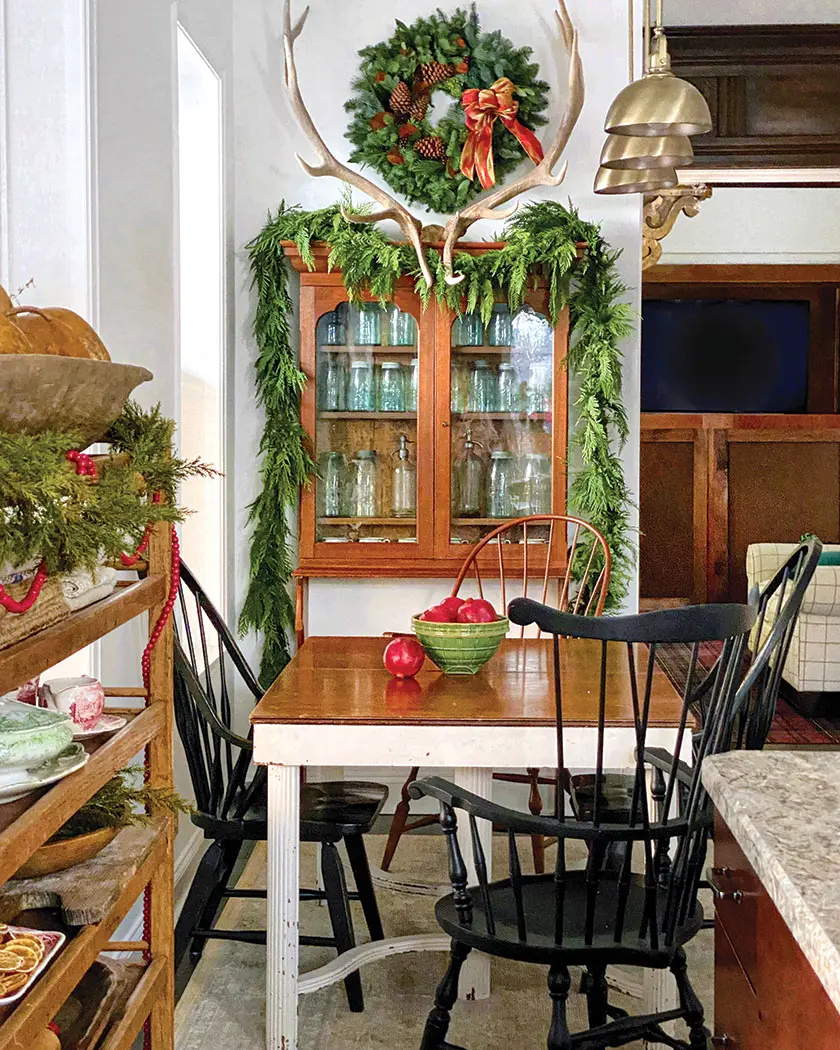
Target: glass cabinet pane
(367, 374)
(502, 379)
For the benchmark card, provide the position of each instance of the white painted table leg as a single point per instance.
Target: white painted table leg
(660, 994)
(475, 976)
(283, 907)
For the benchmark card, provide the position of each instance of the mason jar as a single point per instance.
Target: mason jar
(412, 386)
(368, 324)
(510, 391)
(538, 395)
(391, 394)
(332, 484)
(402, 328)
(467, 330)
(537, 483)
(334, 383)
(500, 502)
(483, 388)
(360, 388)
(363, 484)
(500, 332)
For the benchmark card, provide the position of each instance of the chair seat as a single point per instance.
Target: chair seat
(538, 892)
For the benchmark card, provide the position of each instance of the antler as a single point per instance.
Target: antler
(391, 209)
(488, 207)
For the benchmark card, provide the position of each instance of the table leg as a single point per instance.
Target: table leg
(283, 907)
(475, 976)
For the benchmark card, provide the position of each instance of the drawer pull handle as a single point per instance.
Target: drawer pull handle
(722, 1041)
(720, 894)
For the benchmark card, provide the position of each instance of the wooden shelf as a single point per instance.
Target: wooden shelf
(513, 417)
(479, 521)
(393, 350)
(25, 825)
(326, 416)
(28, 657)
(483, 349)
(367, 521)
(38, 1007)
(148, 988)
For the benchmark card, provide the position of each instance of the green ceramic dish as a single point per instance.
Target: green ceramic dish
(30, 735)
(460, 648)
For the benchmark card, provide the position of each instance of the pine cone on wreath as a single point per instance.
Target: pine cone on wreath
(432, 73)
(401, 100)
(431, 148)
(419, 107)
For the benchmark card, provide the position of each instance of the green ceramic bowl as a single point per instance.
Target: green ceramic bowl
(460, 648)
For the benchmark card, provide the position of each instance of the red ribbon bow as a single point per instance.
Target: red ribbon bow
(481, 108)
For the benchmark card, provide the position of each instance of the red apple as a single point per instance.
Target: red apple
(452, 604)
(477, 610)
(437, 614)
(404, 656)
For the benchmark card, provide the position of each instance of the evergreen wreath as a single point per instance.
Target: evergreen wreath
(443, 166)
(541, 241)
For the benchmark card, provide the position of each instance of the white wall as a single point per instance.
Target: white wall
(748, 12)
(267, 172)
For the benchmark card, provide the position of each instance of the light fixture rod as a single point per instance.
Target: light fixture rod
(658, 14)
(647, 36)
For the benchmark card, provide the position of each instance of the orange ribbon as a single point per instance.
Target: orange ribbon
(481, 108)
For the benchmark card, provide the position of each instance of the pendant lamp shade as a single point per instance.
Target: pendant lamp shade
(659, 104)
(614, 180)
(643, 151)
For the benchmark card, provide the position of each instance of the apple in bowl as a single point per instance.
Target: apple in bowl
(460, 635)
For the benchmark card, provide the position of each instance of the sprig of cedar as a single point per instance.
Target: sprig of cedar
(123, 802)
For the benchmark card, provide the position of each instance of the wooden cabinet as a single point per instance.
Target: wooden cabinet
(766, 993)
(446, 390)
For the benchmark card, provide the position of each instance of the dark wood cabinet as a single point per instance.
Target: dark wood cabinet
(766, 993)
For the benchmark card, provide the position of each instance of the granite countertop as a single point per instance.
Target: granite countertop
(783, 807)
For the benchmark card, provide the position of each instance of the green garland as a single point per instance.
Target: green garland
(49, 512)
(540, 242)
(387, 143)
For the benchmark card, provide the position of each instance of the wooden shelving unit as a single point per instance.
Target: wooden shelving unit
(28, 823)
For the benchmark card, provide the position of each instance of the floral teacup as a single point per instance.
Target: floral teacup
(83, 699)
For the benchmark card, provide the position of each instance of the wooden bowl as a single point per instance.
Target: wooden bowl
(46, 392)
(58, 856)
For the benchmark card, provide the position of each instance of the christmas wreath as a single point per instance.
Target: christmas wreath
(485, 133)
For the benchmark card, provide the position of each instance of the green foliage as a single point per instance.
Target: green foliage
(124, 801)
(49, 511)
(541, 242)
(436, 38)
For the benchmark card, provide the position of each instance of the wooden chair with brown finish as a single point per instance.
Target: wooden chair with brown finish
(582, 580)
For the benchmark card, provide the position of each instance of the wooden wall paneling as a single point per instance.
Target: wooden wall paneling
(701, 515)
(667, 506)
(717, 523)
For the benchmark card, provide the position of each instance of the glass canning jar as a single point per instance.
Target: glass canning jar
(391, 392)
(500, 502)
(360, 388)
(364, 484)
(483, 388)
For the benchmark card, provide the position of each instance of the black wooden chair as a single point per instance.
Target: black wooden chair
(600, 914)
(211, 674)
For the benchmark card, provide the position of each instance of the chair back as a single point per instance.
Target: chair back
(582, 581)
(209, 670)
(615, 906)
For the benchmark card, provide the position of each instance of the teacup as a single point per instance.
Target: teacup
(82, 699)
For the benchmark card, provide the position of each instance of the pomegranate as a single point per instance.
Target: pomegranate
(477, 610)
(452, 604)
(437, 614)
(404, 656)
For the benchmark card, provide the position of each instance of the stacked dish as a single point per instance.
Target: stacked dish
(36, 749)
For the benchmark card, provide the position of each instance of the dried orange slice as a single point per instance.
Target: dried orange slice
(29, 955)
(13, 982)
(28, 941)
(9, 962)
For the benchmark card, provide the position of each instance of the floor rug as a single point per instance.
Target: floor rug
(790, 728)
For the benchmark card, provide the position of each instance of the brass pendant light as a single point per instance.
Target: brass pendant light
(660, 104)
(629, 180)
(646, 151)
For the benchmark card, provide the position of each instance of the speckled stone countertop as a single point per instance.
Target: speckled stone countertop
(783, 807)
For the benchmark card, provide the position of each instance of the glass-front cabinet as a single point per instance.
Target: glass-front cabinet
(429, 429)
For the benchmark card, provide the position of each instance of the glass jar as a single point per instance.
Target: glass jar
(500, 332)
(510, 389)
(538, 394)
(335, 333)
(467, 330)
(460, 386)
(468, 482)
(536, 477)
(404, 484)
(334, 384)
(402, 328)
(412, 385)
(500, 502)
(368, 324)
(483, 388)
(391, 393)
(363, 485)
(360, 388)
(332, 484)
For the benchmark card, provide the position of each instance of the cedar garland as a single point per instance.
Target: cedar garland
(540, 242)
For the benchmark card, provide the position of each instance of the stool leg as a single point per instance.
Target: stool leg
(357, 854)
(399, 820)
(559, 984)
(339, 907)
(535, 804)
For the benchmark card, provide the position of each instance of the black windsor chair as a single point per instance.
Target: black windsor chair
(597, 915)
(231, 794)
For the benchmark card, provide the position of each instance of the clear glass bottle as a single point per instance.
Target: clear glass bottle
(391, 392)
(500, 502)
(336, 335)
(500, 331)
(332, 484)
(537, 483)
(404, 487)
(364, 478)
(360, 388)
(402, 328)
(467, 330)
(510, 389)
(483, 388)
(368, 324)
(334, 384)
(468, 481)
(412, 386)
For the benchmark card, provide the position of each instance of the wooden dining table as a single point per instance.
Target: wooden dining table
(335, 705)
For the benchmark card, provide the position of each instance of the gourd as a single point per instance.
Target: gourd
(12, 340)
(47, 334)
(6, 303)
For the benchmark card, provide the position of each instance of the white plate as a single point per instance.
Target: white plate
(70, 759)
(53, 940)
(106, 724)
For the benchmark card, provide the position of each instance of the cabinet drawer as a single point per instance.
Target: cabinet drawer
(737, 1013)
(737, 906)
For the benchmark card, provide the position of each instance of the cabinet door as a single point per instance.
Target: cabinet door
(502, 418)
(368, 409)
